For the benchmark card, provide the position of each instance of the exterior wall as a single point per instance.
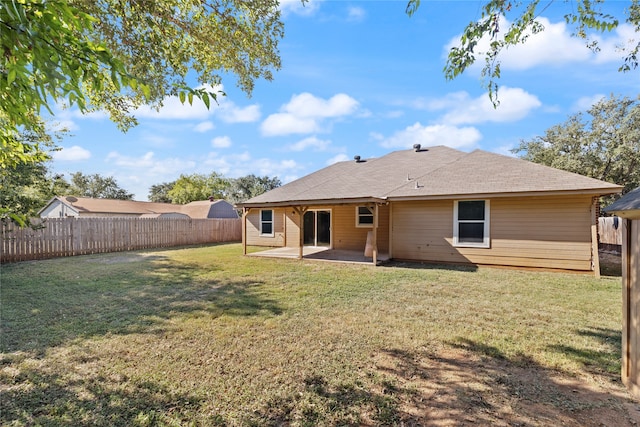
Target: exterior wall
(631, 305)
(546, 232)
(58, 209)
(253, 228)
(344, 233)
(349, 237)
(222, 209)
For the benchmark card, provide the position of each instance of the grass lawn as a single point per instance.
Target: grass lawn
(205, 336)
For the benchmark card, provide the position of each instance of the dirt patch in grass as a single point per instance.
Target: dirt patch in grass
(205, 336)
(464, 385)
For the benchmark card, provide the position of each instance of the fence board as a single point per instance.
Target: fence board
(60, 237)
(610, 233)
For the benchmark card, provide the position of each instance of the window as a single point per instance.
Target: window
(266, 222)
(471, 223)
(364, 216)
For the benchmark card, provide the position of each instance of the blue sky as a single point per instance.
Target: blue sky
(357, 78)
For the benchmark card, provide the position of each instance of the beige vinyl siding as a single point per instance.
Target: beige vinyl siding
(349, 237)
(293, 229)
(253, 229)
(547, 232)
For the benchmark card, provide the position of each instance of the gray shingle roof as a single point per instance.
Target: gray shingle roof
(429, 173)
(628, 202)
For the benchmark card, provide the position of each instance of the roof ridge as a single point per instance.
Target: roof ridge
(431, 171)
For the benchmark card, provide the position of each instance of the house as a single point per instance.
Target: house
(628, 208)
(85, 207)
(437, 204)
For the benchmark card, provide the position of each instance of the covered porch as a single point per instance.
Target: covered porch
(321, 253)
(355, 230)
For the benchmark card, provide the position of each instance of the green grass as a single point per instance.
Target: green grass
(205, 336)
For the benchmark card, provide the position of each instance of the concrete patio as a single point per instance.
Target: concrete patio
(320, 253)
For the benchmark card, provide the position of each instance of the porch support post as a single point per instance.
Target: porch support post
(245, 211)
(595, 257)
(375, 234)
(301, 211)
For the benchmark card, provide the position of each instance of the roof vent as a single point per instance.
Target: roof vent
(416, 147)
(71, 199)
(357, 159)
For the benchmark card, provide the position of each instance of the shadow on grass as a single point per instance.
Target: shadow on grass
(119, 296)
(599, 362)
(56, 400)
(323, 403)
(470, 383)
(469, 268)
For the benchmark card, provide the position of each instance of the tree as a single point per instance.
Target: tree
(603, 145)
(191, 188)
(116, 55)
(97, 186)
(26, 186)
(159, 193)
(249, 186)
(522, 16)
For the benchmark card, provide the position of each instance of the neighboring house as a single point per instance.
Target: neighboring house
(85, 207)
(628, 208)
(439, 205)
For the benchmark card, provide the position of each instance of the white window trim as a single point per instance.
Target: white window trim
(373, 217)
(272, 234)
(486, 243)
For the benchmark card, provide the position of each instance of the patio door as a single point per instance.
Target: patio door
(317, 228)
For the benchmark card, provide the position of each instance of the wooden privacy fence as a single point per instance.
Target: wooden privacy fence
(610, 233)
(61, 237)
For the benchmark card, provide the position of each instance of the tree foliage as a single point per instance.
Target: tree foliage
(190, 188)
(522, 16)
(115, 55)
(194, 187)
(604, 143)
(249, 186)
(96, 186)
(159, 193)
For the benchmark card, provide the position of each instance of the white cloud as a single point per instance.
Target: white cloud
(515, 104)
(227, 110)
(312, 142)
(307, 105)
(339, 158)
(554, 46)
(505, 150)
(173, 109)
(221, 142)
(614, 49)
(451, 136)
(286, 124)
(230, 113)
(356, 14)
(305, 113)
(297, 7)
(153, 167)
(204, 126)
(240, 164)
(72, 154)
(586, 102)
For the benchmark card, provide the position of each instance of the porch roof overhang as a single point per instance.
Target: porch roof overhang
(320, 202)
